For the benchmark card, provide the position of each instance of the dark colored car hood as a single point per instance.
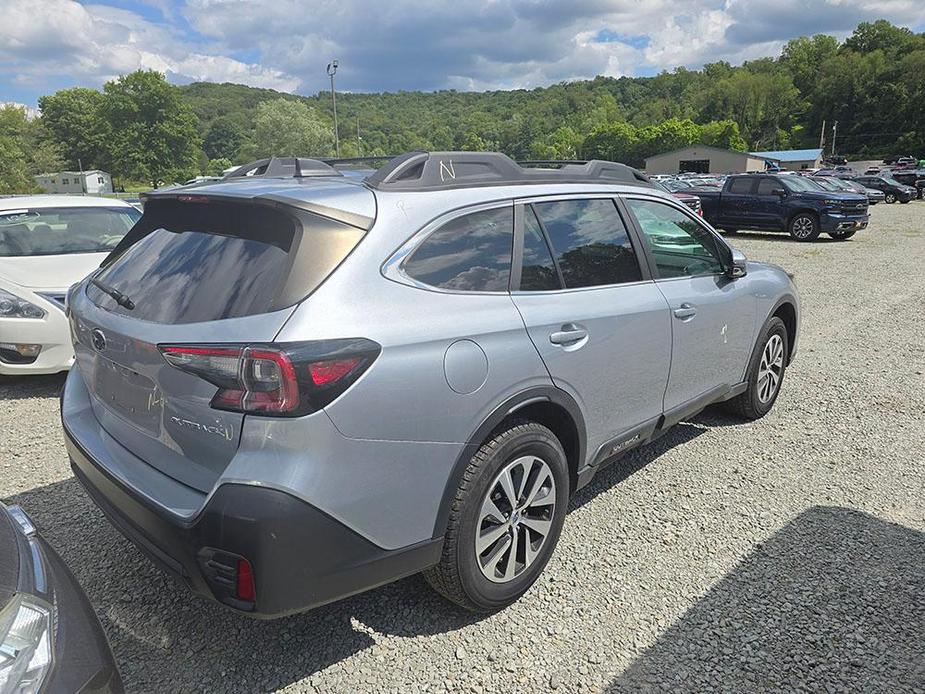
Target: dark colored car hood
(831, 195)
(9, 557)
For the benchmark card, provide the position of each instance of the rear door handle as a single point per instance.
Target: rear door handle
(569, 334)
(685, 311)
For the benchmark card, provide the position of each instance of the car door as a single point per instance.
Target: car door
(712, 316)
(594, 314)
(736, 202)
(767, 207)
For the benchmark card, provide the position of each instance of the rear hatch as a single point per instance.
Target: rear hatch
(193, 271)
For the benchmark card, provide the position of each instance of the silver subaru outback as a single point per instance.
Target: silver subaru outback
(293, 385)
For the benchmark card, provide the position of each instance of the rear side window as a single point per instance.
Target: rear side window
(741, 185)
(469, 253)
(538, 271)
(192, 262)
(589, 242)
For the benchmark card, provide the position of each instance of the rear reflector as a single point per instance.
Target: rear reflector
(245, 591)
(287, 379)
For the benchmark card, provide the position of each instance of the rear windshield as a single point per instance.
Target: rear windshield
(63, 230)
(192, 262)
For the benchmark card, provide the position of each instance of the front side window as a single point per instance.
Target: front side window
(469, 253)
(589, 241)
(680, 246)
(63, 230)
(767, 186)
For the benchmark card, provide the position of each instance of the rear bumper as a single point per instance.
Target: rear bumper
(300, 557)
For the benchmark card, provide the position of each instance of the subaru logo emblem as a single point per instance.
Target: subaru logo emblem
(98, 339)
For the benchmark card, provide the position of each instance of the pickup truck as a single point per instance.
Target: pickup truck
(790, 203)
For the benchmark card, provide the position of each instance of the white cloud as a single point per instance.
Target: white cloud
(407, 44)
(88, 44)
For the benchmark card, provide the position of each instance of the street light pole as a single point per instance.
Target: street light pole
(332, 70)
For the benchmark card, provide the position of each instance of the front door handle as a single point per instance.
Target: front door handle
(570, 333)
(685, 311)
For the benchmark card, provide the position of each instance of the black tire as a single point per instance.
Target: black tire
(458, 576)
(889, 198)
(804, 226)
(842, 235)
(748, 405)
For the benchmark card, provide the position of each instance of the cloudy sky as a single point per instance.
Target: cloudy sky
(386, 45)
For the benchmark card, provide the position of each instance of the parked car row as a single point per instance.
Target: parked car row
(263, 318)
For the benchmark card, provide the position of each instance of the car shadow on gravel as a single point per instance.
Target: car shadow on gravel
(167, 639)
(834, 601)
(23, 387)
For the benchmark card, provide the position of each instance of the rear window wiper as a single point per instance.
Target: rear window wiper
(119, 297)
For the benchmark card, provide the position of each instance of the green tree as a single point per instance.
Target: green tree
(614, 142)
(14, 162)
(74, 121)
(217, 167)
(223, 139)
(290, 128)
(153, 135)
(723, 134)
(802, 57)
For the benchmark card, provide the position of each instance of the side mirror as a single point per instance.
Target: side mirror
(781, 192)
(739, 266)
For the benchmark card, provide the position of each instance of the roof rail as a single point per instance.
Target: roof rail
(283, 167)
(426, 171)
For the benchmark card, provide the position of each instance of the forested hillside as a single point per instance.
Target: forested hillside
(141, 128)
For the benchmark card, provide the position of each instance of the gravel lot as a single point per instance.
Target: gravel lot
(785, 554)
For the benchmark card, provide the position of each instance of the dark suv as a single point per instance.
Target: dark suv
(914, 178)
(892, 189)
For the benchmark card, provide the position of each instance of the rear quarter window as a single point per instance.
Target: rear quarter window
(469, 253)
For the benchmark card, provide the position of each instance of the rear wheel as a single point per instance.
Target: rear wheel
(505, 520)
(890, 198)
(804, 226)
(765, 373)
(842, 235)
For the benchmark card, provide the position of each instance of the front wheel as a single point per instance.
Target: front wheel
(890, 198)
(842, 235)
(804, 227)
(765, 373)
(505, 519)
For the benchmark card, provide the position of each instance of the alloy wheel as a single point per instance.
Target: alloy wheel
(803, 227)
(515, 518)
(770, 369)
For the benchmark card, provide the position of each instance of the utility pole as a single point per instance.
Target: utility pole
(332, 70)
(359, 146)
(834, 131)
(822, 137)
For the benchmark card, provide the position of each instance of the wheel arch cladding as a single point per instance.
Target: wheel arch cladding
(553, 408)
(788, 314)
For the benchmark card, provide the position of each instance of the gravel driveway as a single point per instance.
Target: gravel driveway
(784, 554)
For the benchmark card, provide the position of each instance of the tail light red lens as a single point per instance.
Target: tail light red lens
(286, 379)
(325, 372)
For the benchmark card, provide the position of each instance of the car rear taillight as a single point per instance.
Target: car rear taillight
(287, 379)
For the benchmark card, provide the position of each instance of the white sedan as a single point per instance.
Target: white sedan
(47, 243)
